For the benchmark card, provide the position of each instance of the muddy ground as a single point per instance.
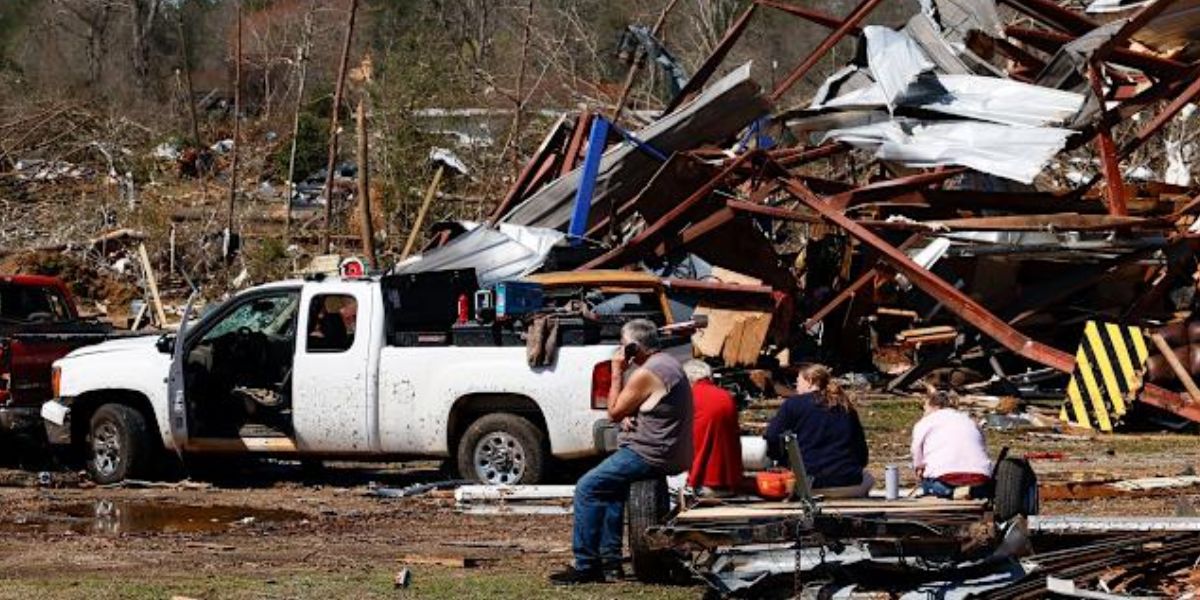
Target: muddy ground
(275, 531)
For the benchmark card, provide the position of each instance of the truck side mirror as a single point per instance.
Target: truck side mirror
(166, 343)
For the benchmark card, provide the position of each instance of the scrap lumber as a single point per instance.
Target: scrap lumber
(454, 562)
(152, 285)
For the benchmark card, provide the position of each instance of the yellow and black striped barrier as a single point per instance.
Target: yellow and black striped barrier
(1109, 369)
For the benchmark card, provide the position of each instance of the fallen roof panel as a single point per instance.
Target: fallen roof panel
(715, 116)
(1017, 153)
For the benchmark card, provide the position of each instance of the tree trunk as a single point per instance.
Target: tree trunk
(237, 125)
(302, 72)
(331, 164)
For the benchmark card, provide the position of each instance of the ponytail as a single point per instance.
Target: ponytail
(831, 393)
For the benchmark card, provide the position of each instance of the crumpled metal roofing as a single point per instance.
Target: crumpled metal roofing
(507, 252)
(1017, 153)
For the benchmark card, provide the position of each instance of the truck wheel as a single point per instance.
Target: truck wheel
(647, 507)
(118, 444)
(502, 449)
(1016, 490)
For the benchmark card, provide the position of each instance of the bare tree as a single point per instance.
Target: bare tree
(88, 20)
(144, 16)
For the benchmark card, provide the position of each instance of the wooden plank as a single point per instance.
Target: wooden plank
(152, 285)
(894, 508)
(454, 562)
(925, 331)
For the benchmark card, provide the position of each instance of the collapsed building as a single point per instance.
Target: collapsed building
(976, 192)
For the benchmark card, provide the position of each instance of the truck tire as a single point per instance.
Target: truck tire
(118, 444)
(647, 507)
(1016, 490)
(502, 449)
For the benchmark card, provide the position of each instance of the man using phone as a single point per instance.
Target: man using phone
(654, 407)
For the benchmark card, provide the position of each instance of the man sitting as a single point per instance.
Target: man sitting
(949, 453)
(716, 437)
(655, 411)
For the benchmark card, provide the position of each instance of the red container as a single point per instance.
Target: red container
(775, 484)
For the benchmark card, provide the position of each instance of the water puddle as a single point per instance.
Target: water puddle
(114, 517)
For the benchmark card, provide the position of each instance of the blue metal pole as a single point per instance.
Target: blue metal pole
(587, 183)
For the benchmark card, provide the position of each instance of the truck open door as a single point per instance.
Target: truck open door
(177, 411)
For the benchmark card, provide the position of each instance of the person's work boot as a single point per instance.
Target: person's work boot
(573, 576)
(614, 574)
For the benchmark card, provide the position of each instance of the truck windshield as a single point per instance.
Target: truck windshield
(32, 304)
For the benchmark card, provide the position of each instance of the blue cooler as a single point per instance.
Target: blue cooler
(517, 299)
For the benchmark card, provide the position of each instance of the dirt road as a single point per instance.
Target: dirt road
(275, 531)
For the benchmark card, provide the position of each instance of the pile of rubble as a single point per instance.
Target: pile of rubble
(976, 192)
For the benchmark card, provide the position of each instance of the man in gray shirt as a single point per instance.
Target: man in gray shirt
(654, 408)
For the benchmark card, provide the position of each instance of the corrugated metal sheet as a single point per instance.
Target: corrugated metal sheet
(508, 252)
(718, 114)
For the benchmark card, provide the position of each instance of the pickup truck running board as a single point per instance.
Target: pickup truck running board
(272, 445)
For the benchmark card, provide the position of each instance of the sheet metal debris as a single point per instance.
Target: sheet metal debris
(1015, 147)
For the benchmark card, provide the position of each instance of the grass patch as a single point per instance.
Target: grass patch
(427, 582)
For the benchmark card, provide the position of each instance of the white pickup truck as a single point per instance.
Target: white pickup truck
(314, 369)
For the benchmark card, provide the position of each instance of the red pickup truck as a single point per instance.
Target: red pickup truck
(39, 324)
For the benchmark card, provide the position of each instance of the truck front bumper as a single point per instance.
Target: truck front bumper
(56, 416)
(19, 418)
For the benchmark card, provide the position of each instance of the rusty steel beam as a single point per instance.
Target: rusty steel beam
(655, 232)
(1148, 130)
(1051, 41)
(858, 284)
(951, 297)
(1107, 149)
(803, 156)
(697, 230)
(521, 185)
(849, 24)
(1050, 13)
(974, 313)
(978, 40)
(819, 17)
(1133, 25)
(772, 212)
(882, 190)
(578, 137)
(705, 72)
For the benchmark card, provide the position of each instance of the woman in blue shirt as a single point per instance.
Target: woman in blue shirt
(830, 435)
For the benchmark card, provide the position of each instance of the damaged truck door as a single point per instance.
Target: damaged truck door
(332, 391)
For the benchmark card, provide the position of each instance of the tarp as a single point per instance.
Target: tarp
(509, 252)
(1017, 153)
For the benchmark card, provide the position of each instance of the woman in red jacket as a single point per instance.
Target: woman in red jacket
(716, 437)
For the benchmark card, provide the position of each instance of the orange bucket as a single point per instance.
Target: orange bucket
(775, 484)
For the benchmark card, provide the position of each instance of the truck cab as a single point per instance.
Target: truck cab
(39, 323)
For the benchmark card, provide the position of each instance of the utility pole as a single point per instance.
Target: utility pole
(331, 164)
(237, 129)
(367, 227)
(302, 53)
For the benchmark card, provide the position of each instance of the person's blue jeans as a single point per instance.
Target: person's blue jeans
(940, 489)
(600, 497)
